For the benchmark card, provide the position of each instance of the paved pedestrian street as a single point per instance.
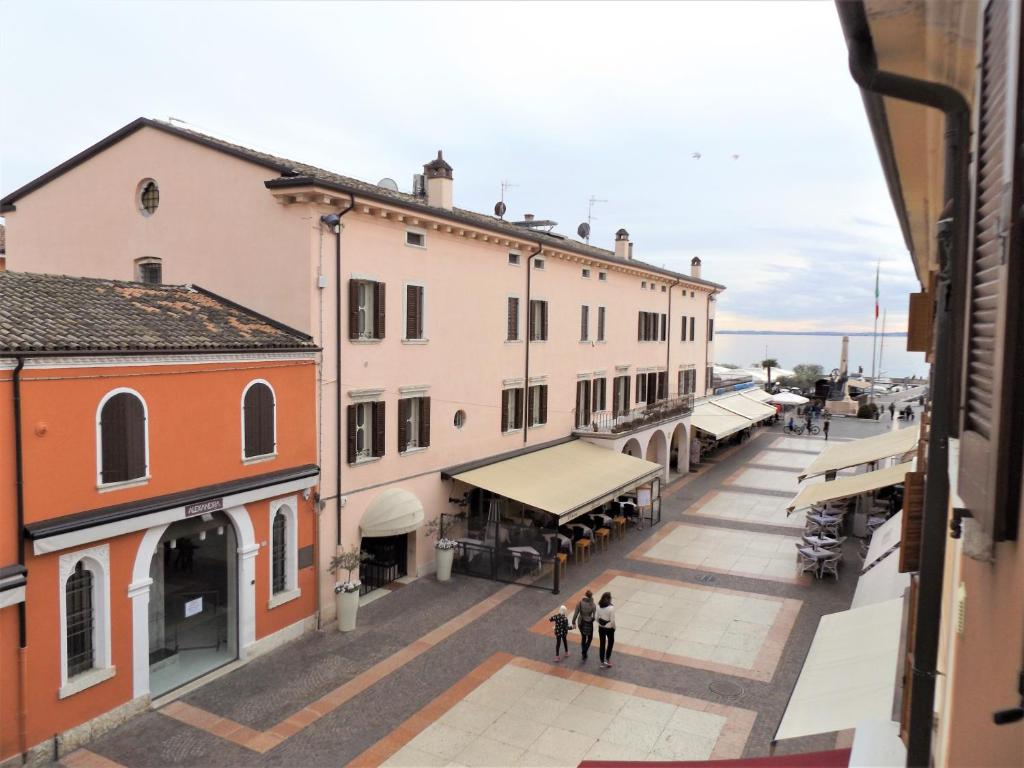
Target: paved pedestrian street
(713, 626)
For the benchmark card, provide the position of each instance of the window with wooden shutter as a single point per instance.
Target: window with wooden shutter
(663, 385)
(682, 325)
(990, 439)
(693, 329)
(424, 422)
(403, 424)
(640, 326)
(584, 323)
(258, 419)
(352, 428)
(641, 388)
(122, 439)
(652, 387)
(513, 319)
(582, 404)
(544, 404)
(600, 323)
(664, 327)
(616, 396)
(505, 423)
(353, 309)
(711, 329)
(919, 322)
(538, 320)
(519, 407)
(414, 312)
(544, 320)
(913, 516)
(378, 307)
(378, 428)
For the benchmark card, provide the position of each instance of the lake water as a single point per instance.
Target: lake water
(745, 349)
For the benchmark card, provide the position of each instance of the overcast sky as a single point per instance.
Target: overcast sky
(564, 100)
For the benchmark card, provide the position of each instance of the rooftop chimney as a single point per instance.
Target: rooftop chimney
(439, 182)
(695, 267)
(622, 245)
(527, 217)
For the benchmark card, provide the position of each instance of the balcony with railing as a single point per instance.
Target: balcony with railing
(640, 417)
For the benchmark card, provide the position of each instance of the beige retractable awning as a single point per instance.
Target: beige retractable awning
(883, 582)
(392, 513)
(565, 480)
(849, 674)
(858, 383)
(756, 394)
(717, 422)
(843, 455)
(745, 406)
(844, 487)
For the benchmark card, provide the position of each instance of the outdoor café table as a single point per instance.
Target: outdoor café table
(517, 551)
(606, 521)
(821, 542)
(824, 520)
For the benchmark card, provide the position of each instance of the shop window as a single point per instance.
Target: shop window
(123, 438)
(259, 429)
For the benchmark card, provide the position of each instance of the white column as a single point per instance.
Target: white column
(138, 591)
(246, 597)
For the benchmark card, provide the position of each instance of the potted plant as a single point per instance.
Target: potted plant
(444, 548)
(346, 594)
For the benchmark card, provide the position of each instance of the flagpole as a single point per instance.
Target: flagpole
(874, 340)
(881, 345)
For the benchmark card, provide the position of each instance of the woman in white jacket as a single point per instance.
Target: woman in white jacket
(606, 628)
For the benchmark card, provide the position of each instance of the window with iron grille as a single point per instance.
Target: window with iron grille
(278, 553)
(122, 439)
(149, 271)
(80, 620)
(258, 413)
(149, 197)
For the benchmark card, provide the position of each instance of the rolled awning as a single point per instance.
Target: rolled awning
(716, 421)
(863, 451)
(746, 406)
(565, 480)
(849, 674)
(392, 513)
(885, 539)
(844, 487)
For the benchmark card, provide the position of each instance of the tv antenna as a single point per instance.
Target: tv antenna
(505, 185)
(590, 213)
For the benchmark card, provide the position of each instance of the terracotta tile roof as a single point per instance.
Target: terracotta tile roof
(295, 174)
(57, 313)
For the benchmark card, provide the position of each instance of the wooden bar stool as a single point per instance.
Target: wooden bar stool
(562, 559)
(582, 547)
(619, 524)
(601, 538)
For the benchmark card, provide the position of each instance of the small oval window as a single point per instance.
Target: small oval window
(149, 197)
(460, 419)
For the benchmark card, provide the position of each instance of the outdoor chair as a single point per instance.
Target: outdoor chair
(805, 563)
(831, 566)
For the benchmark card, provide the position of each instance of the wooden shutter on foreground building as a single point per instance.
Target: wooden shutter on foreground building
(351, 426)
(353, 309)
(544, 404)
(519, 407)
(919, 322)
(424, 422)
(413, 312)
(378, 311)
(378, 427)
(907, 667)
(403, 426)
(122, 439)
(504, 410)
(990, 440)
(513, 319)
(913, 515)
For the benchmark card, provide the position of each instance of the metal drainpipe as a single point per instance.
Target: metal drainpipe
(526, 371)
(951, 255)
(707, 341)
(19, 474)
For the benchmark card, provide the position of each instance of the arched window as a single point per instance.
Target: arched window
(123, 449)
(79, 620)
(259, 431)
(278, 554)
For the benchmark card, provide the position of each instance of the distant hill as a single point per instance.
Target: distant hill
(808, 333)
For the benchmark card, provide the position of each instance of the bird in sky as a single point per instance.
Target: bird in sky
(695, 155)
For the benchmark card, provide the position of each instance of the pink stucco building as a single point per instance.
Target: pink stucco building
(448, 336)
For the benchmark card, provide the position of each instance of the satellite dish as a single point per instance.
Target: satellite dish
(583, 230)
(389, 184)
(499, 209)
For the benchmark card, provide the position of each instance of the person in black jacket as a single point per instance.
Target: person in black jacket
(583, 618)
(561, 632)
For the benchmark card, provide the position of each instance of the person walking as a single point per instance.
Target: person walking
(809, 423)
(606, 628)
(561, 632)
(583, 618)
(892, 411)
(824, 427)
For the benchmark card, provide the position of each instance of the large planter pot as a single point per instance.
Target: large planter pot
(444, 563)
(348, 605)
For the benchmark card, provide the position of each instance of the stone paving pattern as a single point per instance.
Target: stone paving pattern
(428, 638)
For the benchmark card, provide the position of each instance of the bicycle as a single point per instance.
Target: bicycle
(795, 430)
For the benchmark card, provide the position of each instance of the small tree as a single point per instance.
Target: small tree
(348, 561)
(768, 364)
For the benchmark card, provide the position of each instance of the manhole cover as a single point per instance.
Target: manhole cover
(725, 688)
(707, 578)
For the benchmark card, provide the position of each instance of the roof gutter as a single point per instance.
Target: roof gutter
(946, 365)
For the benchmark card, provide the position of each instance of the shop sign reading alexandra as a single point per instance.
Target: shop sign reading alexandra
(203, 507)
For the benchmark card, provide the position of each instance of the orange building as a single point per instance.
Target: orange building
(157, 502)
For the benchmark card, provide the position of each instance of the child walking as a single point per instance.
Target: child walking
(561, 632)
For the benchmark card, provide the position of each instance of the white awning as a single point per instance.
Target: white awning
(844, 487)
(849, 674)
(757, 394)
(863, 451)
(745, 406)
(877, 744)
(789, 398)
(717, 422)
(885, 538)
(565, 480)
(882, 582)
(392, 513)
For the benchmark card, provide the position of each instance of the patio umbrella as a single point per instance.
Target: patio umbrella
(788, 398)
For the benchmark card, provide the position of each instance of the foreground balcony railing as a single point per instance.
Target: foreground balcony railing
(606, 422)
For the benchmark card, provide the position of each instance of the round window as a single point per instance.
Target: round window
(460, 419)
(149, 197)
